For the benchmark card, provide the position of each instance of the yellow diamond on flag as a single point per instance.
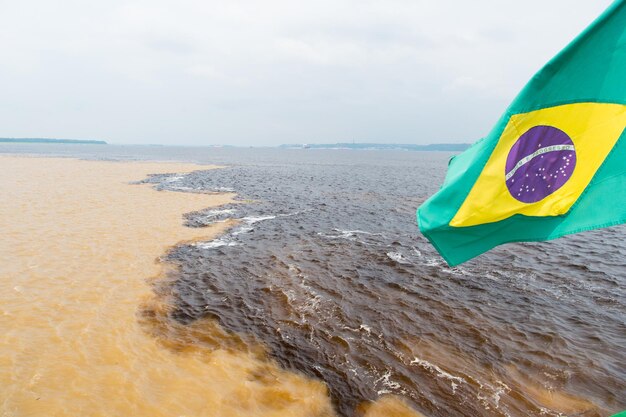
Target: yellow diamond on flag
(543, 162)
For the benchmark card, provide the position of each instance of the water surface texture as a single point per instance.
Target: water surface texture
(326, 268)
(77, 260)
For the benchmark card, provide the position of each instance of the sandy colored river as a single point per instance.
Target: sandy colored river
(78, 246)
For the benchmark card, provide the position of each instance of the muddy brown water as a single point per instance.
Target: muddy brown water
(321, 275)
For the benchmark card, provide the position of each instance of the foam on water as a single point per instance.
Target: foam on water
(398, 257)
(455, 380)
(217, 243)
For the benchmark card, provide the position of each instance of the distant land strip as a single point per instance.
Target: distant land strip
(454, 147)
(44, 140)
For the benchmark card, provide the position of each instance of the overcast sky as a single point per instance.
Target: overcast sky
(197, 72)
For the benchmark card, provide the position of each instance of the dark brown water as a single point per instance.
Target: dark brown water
(327, 268)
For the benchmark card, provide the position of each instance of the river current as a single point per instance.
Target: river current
(325, 267)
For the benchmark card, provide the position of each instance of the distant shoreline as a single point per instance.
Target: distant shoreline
(382, 146)
(442, 147)
(45, 140)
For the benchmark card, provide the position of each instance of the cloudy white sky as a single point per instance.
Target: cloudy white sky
(198, 72)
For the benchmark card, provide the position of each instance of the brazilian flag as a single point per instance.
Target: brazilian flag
(554, 164)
